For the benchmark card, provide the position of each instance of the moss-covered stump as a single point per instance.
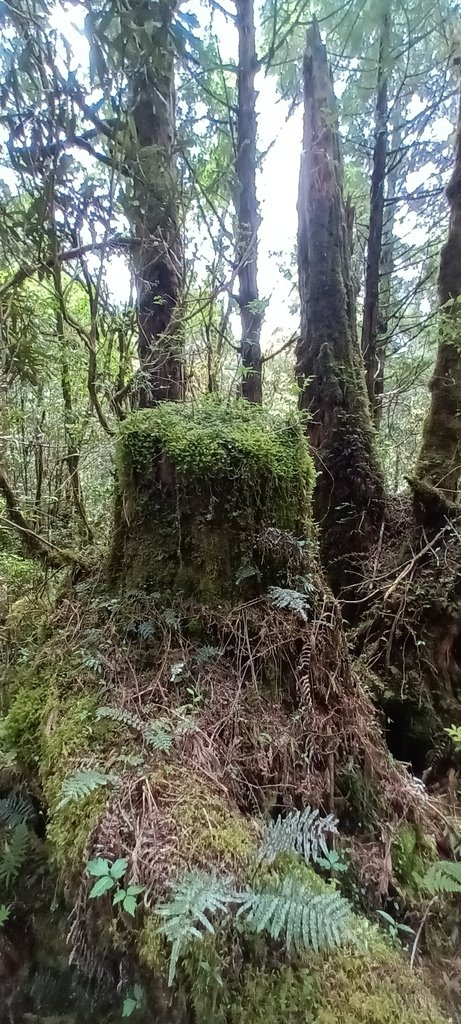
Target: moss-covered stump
(158, 724)
(198, 484)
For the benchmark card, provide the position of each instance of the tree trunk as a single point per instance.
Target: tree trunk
(349, 495)
(247, 205)
(154, 214)
(370, 323)
(386, 269)
(439, 462)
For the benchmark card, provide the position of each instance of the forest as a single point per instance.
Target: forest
(230, 512)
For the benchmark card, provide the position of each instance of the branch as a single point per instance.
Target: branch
(283, 348)
(27, 271)
(34, 545)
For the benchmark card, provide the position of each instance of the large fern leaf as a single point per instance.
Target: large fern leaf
(304, 832)
(83, 782)
(13, 854)
(443, 876)
(302, 918)
(196, 897)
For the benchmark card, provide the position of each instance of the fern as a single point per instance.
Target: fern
(303, 919)
(157, 735)
(292, 600)
(442, 876)
(197, 895)
(288, 911)
(302, 832)
(15, 808)
(14, 854)
(122, 717)
(83, 782)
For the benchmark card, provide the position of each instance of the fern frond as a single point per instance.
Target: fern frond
(195, 897)
(15, 808)
(156, 734)
(443, 876)
(122, 717)
(302, 832)
(83, 782)
(293, 600)
(302, 918)
(158, 737)
(14, 854)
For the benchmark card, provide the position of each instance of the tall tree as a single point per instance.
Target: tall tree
(247, 203)
(153, 210)
(349, 492)
(370, 323)
(439, 462)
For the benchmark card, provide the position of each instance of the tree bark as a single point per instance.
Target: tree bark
(439, 462)
(154, 213)
(349, 493)
(386, 269)
(370, 323)
(247, 205)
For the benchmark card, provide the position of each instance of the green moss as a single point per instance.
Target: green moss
(376, 987)
(68, 832)
(202, 438)
(212, 832)
(23, 730)
(199, 482)
(412, 851)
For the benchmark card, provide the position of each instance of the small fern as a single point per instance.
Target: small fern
(196, 896)
(83, 782)
(302, 832)
(444, 876)
(157, 735)
(302, 918)
(14, 854)
(291, 600)
(122, 717)
(15, 808)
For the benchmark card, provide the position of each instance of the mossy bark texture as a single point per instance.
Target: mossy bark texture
(349, 492)
(439, 463)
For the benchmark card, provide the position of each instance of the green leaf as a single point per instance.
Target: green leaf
(386, 917)
(129, 905)
(134, 890)
(101, 886)
(119, 896)
(98, 867)
(119, 867)
(129, 1006)
(4, 914)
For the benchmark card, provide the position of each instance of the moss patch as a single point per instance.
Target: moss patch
(199, 483)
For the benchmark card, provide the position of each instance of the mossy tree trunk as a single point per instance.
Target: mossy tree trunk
(247, 204)
(439, 462)
(349, 495)
(154, 209)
